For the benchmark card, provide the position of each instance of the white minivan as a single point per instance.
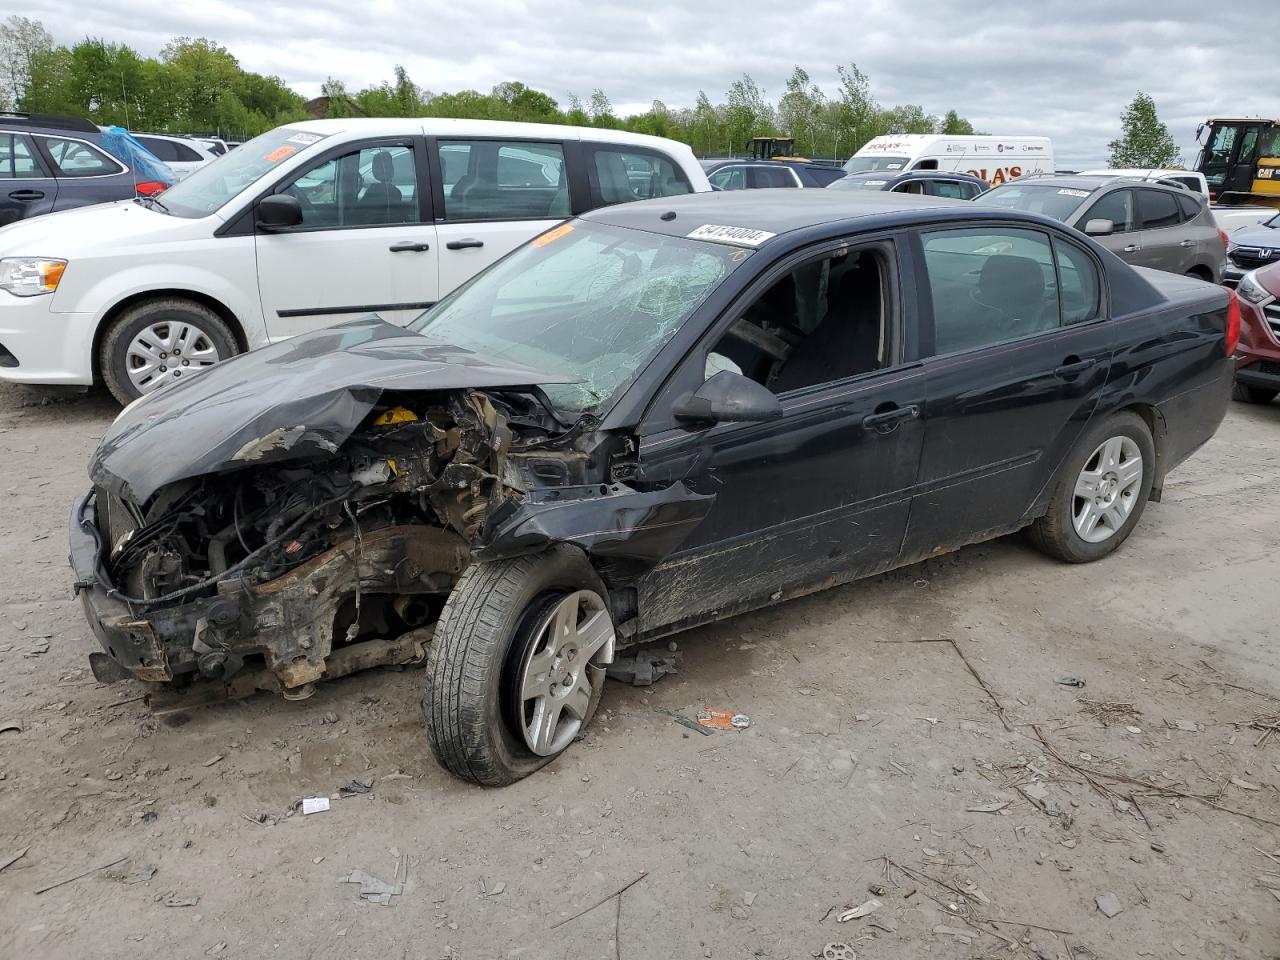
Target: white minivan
(303, 227)
(994, 159)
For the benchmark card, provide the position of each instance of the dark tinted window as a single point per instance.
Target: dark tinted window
(1158, 209)
(989, 286)
(16, 158)
(1189, 206)
(370, 186)
(185, 153)
(773, 177)
(1116, 206)
(75, 158)
(160, 149)
(624, 175)
(504, 180)
(1078, 286)
(821, 176)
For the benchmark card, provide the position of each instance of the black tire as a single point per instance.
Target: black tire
(482, 635)
(1247, 394)
(1055, 533)
(113, 358)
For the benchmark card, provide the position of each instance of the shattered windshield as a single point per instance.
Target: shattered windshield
(593, 301)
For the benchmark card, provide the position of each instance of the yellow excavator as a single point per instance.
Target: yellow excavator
(1240, 159)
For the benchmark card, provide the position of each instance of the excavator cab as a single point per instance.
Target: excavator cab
(773, 148)
(1240, 159)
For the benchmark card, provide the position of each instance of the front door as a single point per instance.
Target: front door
(366, 243)
(1018, 354)
(26, 188)
(822, 495)
(1120, 207)
(493, 195)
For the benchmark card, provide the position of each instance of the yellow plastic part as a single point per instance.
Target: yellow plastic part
(395, 415)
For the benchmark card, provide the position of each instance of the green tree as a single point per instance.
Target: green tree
(746, 114)
(202, 71)
(1144, 140)
(526, 104)
(955, 125)
(576, 114)
(600, 110)
(340, 101)
(22, 42)
(801, 112)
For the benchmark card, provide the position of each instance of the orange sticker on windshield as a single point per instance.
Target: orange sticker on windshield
(551, 236)
(279, 153)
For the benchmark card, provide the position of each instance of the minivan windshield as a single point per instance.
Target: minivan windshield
(874, 164)
(584, 299)
(1050, 201)
(211, 186)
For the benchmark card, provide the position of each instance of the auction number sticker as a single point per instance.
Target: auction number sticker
(743, 236)
(306, 139)
(1073, 193)
(279, 153)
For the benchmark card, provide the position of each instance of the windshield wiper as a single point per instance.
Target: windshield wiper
(153, 202)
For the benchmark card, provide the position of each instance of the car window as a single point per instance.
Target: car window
(1116, 206)
(16, 158)
(951, 188)
(1158, 209)
(1191, 183)
(988, 286)
(158, 148)
(915, 187)
(823, 176)
(75, 158)
(729, 178)
(1078, 285)
(373, 185)
(1189, 206)
(185, 154)
(824, 321)
(619, 176)
(773, 177)
(503, 180)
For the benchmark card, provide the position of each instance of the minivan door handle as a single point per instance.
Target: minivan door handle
(409, 246)
(464, 243)
(1132, 248)
(886, 420)
(26, 196)
(1187, 243)
(1073, 366)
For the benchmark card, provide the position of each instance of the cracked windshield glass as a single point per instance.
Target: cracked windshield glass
(588, 300)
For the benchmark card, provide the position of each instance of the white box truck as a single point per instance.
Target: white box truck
(994, 159)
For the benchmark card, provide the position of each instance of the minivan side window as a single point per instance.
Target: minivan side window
(503, 180)
(367, 187)
(16, 160)
(989, 286)
(75, 158)
(620, 175)
(1158, 209)
(1116, 206)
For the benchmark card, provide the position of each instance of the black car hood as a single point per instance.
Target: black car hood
(298, 398)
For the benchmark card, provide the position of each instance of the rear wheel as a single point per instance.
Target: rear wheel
(161, 340)
(517, 666)
(1100, 493)
(1247, 394)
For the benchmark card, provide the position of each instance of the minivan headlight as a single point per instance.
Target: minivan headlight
(1250, 289)
(30, 276)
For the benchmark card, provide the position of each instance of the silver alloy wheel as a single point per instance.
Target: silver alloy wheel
(165, 350)
(1107, 489)
(565, 662)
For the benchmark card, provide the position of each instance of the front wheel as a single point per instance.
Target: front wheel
(159, 341)
(1101, 491)
(517, 666)
(1247, 394)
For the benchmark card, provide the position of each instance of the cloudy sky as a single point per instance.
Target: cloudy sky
(1062, 68)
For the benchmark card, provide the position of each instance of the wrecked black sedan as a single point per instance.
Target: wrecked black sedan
(655, 416)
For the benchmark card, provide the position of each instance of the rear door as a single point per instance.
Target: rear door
(27, 189)
(366, 243)
(1016, 352)
(1168, 243)
(492, 195)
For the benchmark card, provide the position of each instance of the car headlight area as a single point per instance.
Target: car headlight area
(30, 276)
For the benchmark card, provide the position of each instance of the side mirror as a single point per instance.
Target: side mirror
(1099, 228)
(728, 398)
(280, 211)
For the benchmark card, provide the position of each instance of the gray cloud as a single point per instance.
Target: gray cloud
(1063, 68)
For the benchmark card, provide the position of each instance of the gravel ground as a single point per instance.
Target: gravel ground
(991, 821)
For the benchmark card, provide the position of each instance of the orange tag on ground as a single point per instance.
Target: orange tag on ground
(720, 719)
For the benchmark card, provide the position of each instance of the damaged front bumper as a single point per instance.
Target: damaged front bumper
(288, 622)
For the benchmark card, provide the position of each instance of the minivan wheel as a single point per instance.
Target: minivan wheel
(517, 666)
(159, 341)
(1100, 492)
(1247, 394)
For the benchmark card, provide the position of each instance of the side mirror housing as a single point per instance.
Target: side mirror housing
(1099, 227)
(279, 211)
(728, 398)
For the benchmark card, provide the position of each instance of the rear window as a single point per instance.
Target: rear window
(859, 183)
(1050, 201)
(1158, 209)
(75, 158)
(1190, 207)
(870, 164)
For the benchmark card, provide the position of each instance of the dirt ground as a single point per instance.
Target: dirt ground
(873, 758)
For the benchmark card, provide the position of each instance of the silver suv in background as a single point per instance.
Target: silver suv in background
(1146, 224)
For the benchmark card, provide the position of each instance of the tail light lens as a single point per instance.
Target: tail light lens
(149, 188)
(1223, 234)
(1233, 322)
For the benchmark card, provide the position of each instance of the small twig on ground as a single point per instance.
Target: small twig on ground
(79, 876)
(617, 893)
(977, 676)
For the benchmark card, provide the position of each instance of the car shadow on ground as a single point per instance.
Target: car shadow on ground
(34, 406)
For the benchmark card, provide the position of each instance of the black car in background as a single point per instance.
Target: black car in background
(759, 174)
(50, 163)
(929, 183)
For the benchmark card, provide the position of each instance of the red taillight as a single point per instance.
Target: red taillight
(1223, 234)
(149, 188)
(1233, 322)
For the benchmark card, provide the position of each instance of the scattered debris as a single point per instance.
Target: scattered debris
(212, 760)
(964, 936)
(617, 893)
(355, 787)
(216, 949)
(838, 951)
(9, 861)
(860, 911)
(899, 767)
(1070, 681)
(1134, 729)
(78, 876)
(862, 717)
(11, 726)
(642, 669)
(1268, 725)
(1108, 712)
(496, 891)
(993, 807)
(748, 898)
(877, 889)
(176, 901)
(1190, 726)
(720, 719)
(692, 724)
(379, 891)
(1109, 904)
(1039, 795)
(315, 804)
(141, 875)
(329, 718)
(1244, 784)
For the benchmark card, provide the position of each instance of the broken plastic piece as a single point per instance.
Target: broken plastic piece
(720, 719)
(642, 669)
(1071, 681)
(860, 911)
(315, 804)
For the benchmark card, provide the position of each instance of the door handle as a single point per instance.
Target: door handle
(1132, 248)
(464, 243)
(1072, 366)
(1187, 243)
(889, 418)
(409, 246)
(26, 196)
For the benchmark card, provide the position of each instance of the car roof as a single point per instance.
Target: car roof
(895, 176)
(45, 122)
(454, 127)
(776, 211)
